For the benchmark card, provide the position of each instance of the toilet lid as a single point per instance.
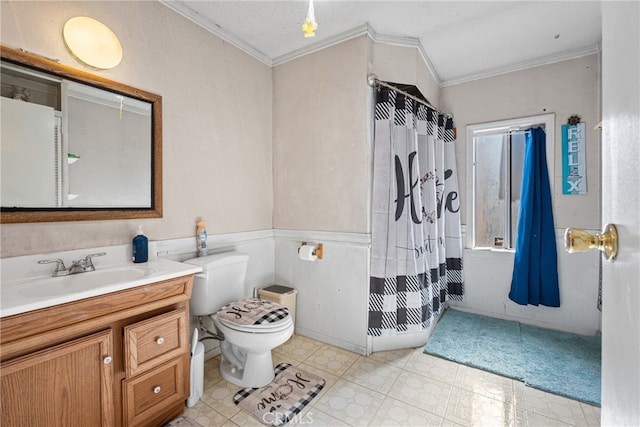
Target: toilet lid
(254, 314)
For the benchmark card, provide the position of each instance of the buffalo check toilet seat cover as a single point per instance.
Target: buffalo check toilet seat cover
(253, 312)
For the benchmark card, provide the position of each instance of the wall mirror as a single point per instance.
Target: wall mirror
(76, 146)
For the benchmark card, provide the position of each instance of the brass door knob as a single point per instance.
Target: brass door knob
(576, 240)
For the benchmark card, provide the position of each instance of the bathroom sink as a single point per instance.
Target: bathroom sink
(65, 285)
(24, 294)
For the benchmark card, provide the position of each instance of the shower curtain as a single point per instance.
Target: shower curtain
(416, 253)
(535, 269)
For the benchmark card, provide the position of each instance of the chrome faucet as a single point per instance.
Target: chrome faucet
(79, 266)
(84, 265)
(60, 270)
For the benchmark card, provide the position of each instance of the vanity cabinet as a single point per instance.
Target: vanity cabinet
(120, 359)
(68, 384)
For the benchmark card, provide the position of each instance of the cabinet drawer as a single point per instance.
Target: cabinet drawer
(154, 341)
(150, 395)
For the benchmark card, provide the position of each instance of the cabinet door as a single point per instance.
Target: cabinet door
(70, 384)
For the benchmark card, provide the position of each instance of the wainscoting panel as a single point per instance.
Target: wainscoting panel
(257, 244)
(332, 292)
(488, 281)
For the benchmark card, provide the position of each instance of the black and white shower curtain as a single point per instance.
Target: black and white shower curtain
(416, 254)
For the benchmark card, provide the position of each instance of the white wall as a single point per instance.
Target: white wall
(216, 121)
(488, 281)
(564, 88)
(333, 292)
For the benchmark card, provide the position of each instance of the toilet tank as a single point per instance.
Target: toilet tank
(221, 281)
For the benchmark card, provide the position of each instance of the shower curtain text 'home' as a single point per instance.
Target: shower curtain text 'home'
(416, 254)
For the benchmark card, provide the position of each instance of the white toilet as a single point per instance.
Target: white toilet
(246, 348)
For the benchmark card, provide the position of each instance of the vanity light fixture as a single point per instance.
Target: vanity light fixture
(310, 25)
(92, 42)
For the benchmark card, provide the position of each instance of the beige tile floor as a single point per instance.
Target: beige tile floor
(397, 388)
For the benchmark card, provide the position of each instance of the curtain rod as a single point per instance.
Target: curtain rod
(373, 81)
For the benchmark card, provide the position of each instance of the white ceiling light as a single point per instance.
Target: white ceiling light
(92, 42)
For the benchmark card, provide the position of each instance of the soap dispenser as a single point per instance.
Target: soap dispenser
(140, 248)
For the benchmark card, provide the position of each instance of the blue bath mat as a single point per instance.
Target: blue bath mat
(558, 362)
(482, 342)
(562, 363)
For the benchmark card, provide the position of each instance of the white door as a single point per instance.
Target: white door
(621, 206)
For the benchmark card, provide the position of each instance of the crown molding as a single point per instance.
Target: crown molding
(322, 44)
(546, 60)
(366, 29)
(216, 29)
(406, 42)
(360, 30)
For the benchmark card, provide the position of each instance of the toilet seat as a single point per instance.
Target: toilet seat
(254, 315)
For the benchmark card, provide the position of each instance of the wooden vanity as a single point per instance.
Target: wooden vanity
(118, 359)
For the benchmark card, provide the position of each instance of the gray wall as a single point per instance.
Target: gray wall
(320, 146)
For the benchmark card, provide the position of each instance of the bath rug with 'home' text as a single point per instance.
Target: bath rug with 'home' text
(279, 401)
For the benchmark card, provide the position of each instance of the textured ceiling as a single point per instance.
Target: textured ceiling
(461, 40)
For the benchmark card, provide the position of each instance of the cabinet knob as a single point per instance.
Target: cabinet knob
(160, 340)
(107, 360)
(157, 389)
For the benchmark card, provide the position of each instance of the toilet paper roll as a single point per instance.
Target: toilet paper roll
(306, 253)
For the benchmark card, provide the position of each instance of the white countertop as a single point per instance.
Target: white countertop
(27, 294)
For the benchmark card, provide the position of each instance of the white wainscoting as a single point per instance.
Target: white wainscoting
(257, 244)
(332, 299)
(333, 293)
(488, 281)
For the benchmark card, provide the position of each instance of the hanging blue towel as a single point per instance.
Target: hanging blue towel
(535, 269)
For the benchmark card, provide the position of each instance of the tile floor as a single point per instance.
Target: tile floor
(397, 388)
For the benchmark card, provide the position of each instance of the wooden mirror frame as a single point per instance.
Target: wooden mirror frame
(25, 215)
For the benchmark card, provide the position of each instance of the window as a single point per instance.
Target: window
(497, 153)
